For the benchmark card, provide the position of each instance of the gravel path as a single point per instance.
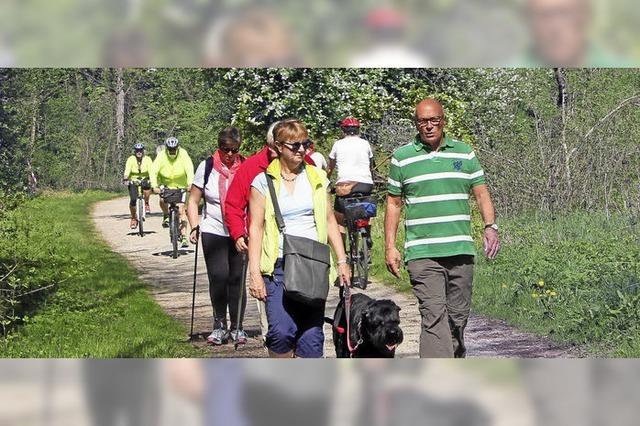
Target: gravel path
(171, 283)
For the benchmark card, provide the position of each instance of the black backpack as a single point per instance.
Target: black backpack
(208, 166)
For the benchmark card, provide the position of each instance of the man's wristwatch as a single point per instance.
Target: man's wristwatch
(493, 226)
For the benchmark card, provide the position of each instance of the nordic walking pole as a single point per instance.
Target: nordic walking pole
(195, 275)
(242, 291)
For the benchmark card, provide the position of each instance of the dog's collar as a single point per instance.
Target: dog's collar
(352, 350)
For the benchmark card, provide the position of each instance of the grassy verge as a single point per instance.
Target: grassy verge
(575, 278)
(97, 307)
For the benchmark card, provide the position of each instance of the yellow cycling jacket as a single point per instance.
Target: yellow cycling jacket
(133, 170)
(174, 172)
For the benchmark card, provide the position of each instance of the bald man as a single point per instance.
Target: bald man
(433, 176)
(560, 36)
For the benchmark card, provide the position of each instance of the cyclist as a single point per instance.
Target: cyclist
(137, 168)
(353, 158)
(173, 169)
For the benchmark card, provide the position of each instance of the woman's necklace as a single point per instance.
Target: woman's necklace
(286, 179)
(293, 179)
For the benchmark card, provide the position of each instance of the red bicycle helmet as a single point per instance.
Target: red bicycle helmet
(350, 122)
(385, 17)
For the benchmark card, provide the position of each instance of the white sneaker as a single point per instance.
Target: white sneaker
(219, 336)
(239, 337)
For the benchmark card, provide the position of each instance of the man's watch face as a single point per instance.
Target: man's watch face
(493, 226)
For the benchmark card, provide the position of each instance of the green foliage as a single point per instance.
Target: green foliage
(60, 131)
(95, 305)
(322, 97)
(574, 277)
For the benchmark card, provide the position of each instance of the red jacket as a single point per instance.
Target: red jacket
(237, 201)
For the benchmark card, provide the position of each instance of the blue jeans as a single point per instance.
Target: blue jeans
(293, 326)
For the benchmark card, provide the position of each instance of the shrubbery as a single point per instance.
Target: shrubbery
(31, 265)
(70, 295)
(576, 278)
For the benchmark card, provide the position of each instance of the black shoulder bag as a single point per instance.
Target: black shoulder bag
(306, 262)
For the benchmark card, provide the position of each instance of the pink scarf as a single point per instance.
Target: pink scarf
(226, 174)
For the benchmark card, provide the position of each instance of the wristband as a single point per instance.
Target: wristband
(341, 261)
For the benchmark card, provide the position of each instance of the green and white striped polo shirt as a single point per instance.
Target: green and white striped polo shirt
(435, 187)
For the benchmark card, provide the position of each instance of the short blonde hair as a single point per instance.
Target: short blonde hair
(290, 130)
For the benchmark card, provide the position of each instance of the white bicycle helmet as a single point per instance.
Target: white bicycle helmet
(171, 142)
(138, 147)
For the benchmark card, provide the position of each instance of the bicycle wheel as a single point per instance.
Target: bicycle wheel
(140, 217)
(170, 227)
(359, 265)
(175, 232)
(362, 263)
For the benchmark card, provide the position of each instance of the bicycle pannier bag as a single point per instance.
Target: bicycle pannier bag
(173, 196)
(363, 208)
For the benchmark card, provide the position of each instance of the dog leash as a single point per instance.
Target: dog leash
(347, 307)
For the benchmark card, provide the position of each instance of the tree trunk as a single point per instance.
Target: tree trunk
(561, 81)
(31, 176)
(120, 100)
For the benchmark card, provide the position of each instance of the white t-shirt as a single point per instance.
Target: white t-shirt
(352, 155)
(296, 208)
(319, 160)
(390, 56)
(212, 221)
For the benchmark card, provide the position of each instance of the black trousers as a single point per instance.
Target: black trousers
(133, 192)
(224, 268)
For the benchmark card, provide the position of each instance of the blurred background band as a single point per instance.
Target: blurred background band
(410, 33)
(380, 392)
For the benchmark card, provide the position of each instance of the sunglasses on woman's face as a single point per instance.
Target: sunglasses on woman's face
(228, 150)
(295, 146)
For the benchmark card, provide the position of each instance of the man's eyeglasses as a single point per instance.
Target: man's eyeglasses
(435, 121)
(229, 150)
(295, 146)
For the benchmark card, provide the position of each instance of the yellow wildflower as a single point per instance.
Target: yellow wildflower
(540, 283)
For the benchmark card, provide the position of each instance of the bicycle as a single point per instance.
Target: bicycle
(141, 213)
(359, 209)
(172, 197)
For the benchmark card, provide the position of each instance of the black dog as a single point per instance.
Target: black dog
(374, 328)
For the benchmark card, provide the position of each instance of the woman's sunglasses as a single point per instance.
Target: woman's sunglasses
(229, 150)
(295, 146)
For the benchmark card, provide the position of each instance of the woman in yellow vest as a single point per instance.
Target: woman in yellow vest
(137, 168)
(295, 328)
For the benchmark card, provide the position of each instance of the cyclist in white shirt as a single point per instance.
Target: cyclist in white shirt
(353, 158)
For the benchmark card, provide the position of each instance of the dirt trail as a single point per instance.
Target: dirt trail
(171, 282)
